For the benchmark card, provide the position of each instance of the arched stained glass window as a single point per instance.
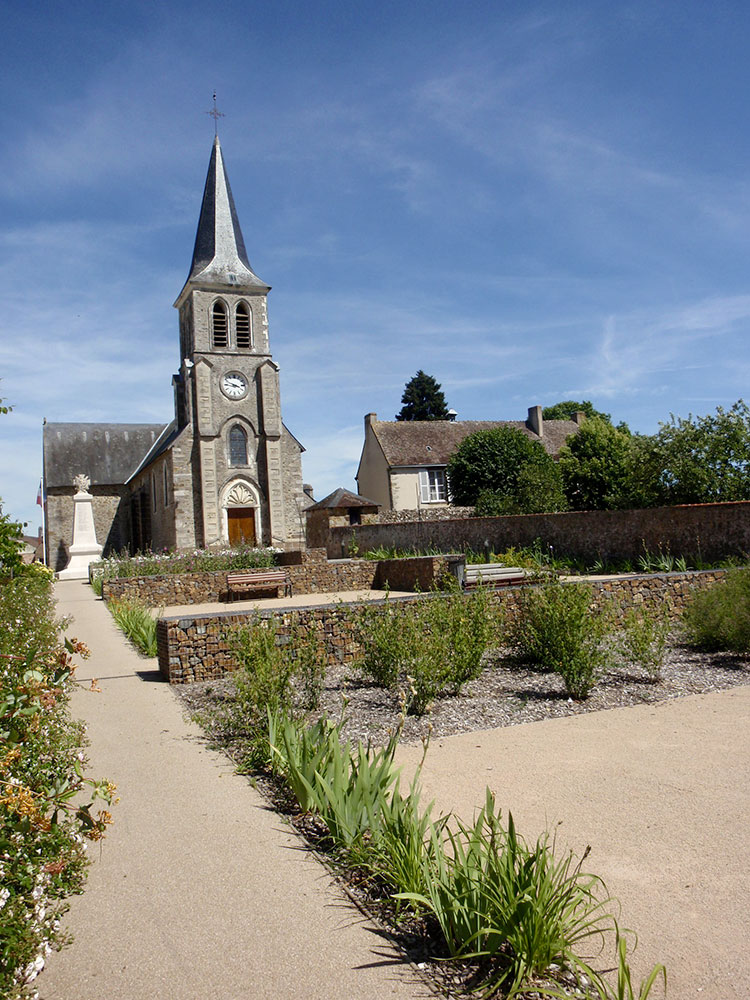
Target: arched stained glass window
(244, 326)
(237, 446)
(219, 327)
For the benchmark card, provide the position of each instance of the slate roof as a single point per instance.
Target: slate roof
(342, 498)
(219, 255)
(432, 442)
(106, 453)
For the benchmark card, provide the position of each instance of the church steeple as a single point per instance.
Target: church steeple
(219, 256)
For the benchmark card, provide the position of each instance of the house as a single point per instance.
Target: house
(403, 462)
(225, 469)
(338, 509)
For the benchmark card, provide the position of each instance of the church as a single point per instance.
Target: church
(225, 470)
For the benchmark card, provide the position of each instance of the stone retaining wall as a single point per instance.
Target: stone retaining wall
(708, 531)
(310, 572)
(197, 648)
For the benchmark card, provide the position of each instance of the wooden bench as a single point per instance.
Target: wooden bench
(244, 583)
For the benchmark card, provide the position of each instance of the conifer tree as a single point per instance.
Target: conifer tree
(423, 400)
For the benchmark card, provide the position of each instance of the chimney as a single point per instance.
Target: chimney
(534, 420)
(308, 491)
(370, 418)
(579, 417)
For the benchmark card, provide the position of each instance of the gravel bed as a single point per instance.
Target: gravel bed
(505, 694)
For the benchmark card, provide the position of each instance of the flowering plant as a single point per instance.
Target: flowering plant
(46, 804)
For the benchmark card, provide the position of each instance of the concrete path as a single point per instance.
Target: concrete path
(662, 795)
(284, 603)
(198, 892)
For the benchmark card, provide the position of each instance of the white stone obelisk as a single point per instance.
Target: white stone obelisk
(84, 549)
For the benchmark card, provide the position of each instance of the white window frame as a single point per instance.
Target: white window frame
(432, 486)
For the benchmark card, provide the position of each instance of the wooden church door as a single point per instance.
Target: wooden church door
(241, 525)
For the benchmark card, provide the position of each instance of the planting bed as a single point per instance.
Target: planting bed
(502, 696)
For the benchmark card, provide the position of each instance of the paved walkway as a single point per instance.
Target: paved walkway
(198, 893)
(662, 795)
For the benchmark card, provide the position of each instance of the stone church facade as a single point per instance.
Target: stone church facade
(225, 470)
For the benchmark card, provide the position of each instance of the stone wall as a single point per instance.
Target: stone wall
(437, 513)
(310, 572)
(198, 647)
(308, 576)
(708, 531)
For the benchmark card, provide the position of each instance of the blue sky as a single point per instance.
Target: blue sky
(529, 201)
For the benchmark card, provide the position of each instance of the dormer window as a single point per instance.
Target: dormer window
(219, 325)
(237, 446)
(243, 326)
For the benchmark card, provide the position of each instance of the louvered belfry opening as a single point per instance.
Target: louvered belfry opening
(243, 326)
(219, 325)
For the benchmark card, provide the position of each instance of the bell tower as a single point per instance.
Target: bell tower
(247, 475)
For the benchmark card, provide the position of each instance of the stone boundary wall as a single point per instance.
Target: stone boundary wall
(197, 648)
(424, 514)
(707, 531)
(310, 572)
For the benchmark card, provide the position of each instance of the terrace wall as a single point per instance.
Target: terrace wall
(310, 572)
(197, 647)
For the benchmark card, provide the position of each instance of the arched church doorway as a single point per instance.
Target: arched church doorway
(241, 514)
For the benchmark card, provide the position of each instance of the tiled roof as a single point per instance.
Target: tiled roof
(432, 442)
(342, 498)
(106, 453)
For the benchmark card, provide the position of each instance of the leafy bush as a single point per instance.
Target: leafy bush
(134, 618)
(428, 648)
(271, 672)
(643, 639)
(719, 617)
(558, 629)
(42, 831)
(198, 561)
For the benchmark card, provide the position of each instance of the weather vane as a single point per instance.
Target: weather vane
(216, 115)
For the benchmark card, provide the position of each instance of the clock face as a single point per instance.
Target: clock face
(234, 385)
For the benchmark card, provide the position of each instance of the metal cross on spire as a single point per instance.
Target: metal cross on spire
(216, 115)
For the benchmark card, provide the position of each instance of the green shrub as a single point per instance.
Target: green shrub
(643, 639)
(135, 619)
(310, 666)
(263, 681)
(558, 629)
(387, 638)
(718, 618)
(428, 648)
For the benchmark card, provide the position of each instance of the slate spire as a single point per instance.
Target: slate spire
(219, 256)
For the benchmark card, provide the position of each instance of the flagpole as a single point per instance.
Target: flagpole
(42, 488)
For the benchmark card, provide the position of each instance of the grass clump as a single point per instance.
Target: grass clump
(718, 618)
(135, 619)
(512, 912)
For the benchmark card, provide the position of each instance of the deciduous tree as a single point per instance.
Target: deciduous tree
(502, 460)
